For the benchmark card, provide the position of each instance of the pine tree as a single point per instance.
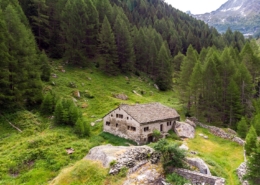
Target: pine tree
(251, 139)
(47, 104)
(108, 49)
(24, 73)
(253, 166)
(4, 64)
(242, 128)
(256, 123)
(164, 76)
(124, 44)
(74, 114)
(45, 67)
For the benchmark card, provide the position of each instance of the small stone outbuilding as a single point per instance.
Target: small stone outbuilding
(137, 122)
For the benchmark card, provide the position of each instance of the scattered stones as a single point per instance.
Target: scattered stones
(184, 147)
(89, 78)
(92, 124)
(63, 70)
(200, 164)
(136, 93)
(194, 152)
(84, 105)
(54, 75)
(98, 120)
(69, 150)
(184, 130)
(205, 137)
(121, 96)
(76, 94)
(241, 171)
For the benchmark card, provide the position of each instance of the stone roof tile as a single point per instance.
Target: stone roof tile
(145, 113)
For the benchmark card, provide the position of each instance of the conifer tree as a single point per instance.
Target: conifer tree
(242, 128)
(4, 66)
(251, 140)
(253, 166)
(124, 44)
(24, 73)
(256, 123)
(108, 48)
(45, 67)
(47, 104)
(164, 76)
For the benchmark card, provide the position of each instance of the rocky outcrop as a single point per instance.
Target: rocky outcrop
(241, 171)
(184, 130)
(117, 157)
(200, 164)
(191, 123)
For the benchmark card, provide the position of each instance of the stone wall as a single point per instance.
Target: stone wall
(220, 132)
(199, 178)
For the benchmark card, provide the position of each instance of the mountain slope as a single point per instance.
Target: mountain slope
(239, 15)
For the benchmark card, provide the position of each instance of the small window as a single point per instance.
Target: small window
(133, 128)
(127, 118)
(128, 127)
(119, 116)
(111, 115)
(108, 123)
(117, 125)
(169, 123)
(146, 129)
(144, 139)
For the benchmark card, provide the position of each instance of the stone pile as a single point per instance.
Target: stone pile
(241, 171)
(135, 157)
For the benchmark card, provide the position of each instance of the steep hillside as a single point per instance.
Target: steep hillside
(239, 15)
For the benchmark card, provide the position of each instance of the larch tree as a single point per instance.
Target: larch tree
(108, 49)
(251, 140)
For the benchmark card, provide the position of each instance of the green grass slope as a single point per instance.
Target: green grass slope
(38, 154)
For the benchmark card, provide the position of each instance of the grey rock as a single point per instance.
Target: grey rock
(184, 147)
(190, 122)
(241, 171)
(200, 164)
(184, 130)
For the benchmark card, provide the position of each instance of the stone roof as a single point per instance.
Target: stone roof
(145, 113)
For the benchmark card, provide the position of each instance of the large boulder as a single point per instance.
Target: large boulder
(200, 164)
(184, 130)
(122, 156)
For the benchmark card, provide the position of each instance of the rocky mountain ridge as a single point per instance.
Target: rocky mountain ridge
(239, 15)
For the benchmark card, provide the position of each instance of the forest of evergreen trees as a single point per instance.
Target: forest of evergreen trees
(217, 74)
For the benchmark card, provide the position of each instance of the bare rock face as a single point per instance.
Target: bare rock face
(200, 164)
(184, 130)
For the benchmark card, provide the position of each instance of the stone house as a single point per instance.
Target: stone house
(137, 122)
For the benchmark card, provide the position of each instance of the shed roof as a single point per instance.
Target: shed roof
(145, 113)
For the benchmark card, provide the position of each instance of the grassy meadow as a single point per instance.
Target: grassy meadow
(38, 154)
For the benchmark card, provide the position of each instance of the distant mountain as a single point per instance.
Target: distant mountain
(239, 15)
